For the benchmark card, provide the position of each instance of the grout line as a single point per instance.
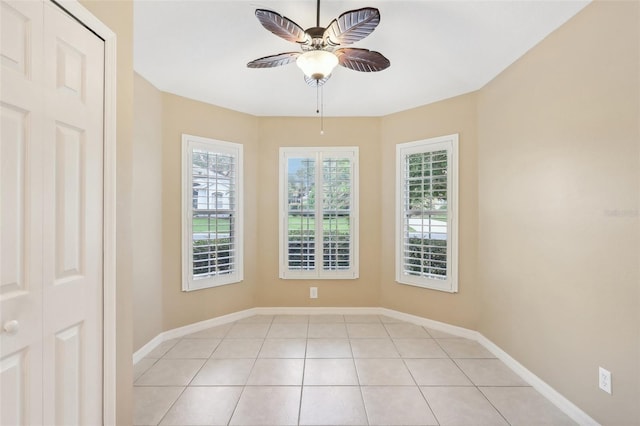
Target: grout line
(491, 403)
(404, 361)
(307, 340)
(172, 404)
(304, 369)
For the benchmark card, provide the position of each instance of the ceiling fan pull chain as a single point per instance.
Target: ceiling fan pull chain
(319, 105)
(322, 110)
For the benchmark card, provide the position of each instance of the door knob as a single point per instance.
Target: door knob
(11, 327)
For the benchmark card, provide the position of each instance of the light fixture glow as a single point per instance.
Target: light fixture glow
(317, 64)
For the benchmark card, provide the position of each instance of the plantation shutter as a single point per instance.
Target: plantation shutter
(336, 213)
(319, 215)
(426, 214)
(214, 213)
(212, 216)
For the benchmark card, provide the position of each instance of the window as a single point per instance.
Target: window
(426, 213)
(318, 213)
(211, 213)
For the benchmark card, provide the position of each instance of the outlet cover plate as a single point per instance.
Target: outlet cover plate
(604, 380)
(313, 292)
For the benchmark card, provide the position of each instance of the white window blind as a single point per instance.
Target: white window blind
(212, 213)
(318, 212)
(426, 239)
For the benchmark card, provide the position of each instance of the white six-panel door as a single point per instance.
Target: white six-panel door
(51, 171)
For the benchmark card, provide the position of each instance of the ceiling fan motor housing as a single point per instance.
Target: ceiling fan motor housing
(317, 39)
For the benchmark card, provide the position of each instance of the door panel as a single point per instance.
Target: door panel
(16, 35)
(69, 347)
(69, 183)
(21, 117)
(72, 243)
(51, 171)
(13, 151)
(13, 371)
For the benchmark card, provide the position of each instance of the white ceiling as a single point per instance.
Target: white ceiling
(437, 49)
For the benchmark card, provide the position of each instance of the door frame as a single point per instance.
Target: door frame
(79, 12)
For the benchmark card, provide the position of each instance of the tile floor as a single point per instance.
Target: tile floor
(331, 370)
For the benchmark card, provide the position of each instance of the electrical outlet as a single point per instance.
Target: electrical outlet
(604, 380)
(313, 292)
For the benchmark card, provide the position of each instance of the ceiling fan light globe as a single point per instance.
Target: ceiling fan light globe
(317, 64)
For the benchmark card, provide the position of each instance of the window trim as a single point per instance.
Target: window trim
(450, 143)
(318, 153)
(189, 143)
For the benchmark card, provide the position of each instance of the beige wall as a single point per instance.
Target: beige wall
(558, 210)
(147, 212)
(118, 16)
(181, 115)
(282, 132)
(456, 115)
(549, 233)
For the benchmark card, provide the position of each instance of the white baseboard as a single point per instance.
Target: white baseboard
(435, 325)
(566, 406)
(317, 311)
(188, 329)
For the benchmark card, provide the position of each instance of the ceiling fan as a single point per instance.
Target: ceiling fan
(322, 47)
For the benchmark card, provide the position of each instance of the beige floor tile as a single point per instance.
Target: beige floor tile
(238, 348)
(142, 366)
(396, 405)
(248, 331)
(288, 331)
(366, 331)
(325, 372)
(462, 406)
(332, 405)
(464, 348)
(374, 348)
(150, 404)
(283, 348)
(211, 406)
(328, 348)
(217, 332)
(219, 372)
(277, 372)
(193, 348)
(171, 372)
(260, 362)
(372, 372)
(419, 348)
(436, 372)
(361, 319)
(327, 331)
(326, 319)
(291, 319)
(162, 348)
(489, 372)
(265, 405)
(525, 406)
(406, 330)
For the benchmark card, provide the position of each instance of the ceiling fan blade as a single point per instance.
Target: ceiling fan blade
(274, 60)
(363, 60)
(282, 27)
(352, 26)
(316, 83)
